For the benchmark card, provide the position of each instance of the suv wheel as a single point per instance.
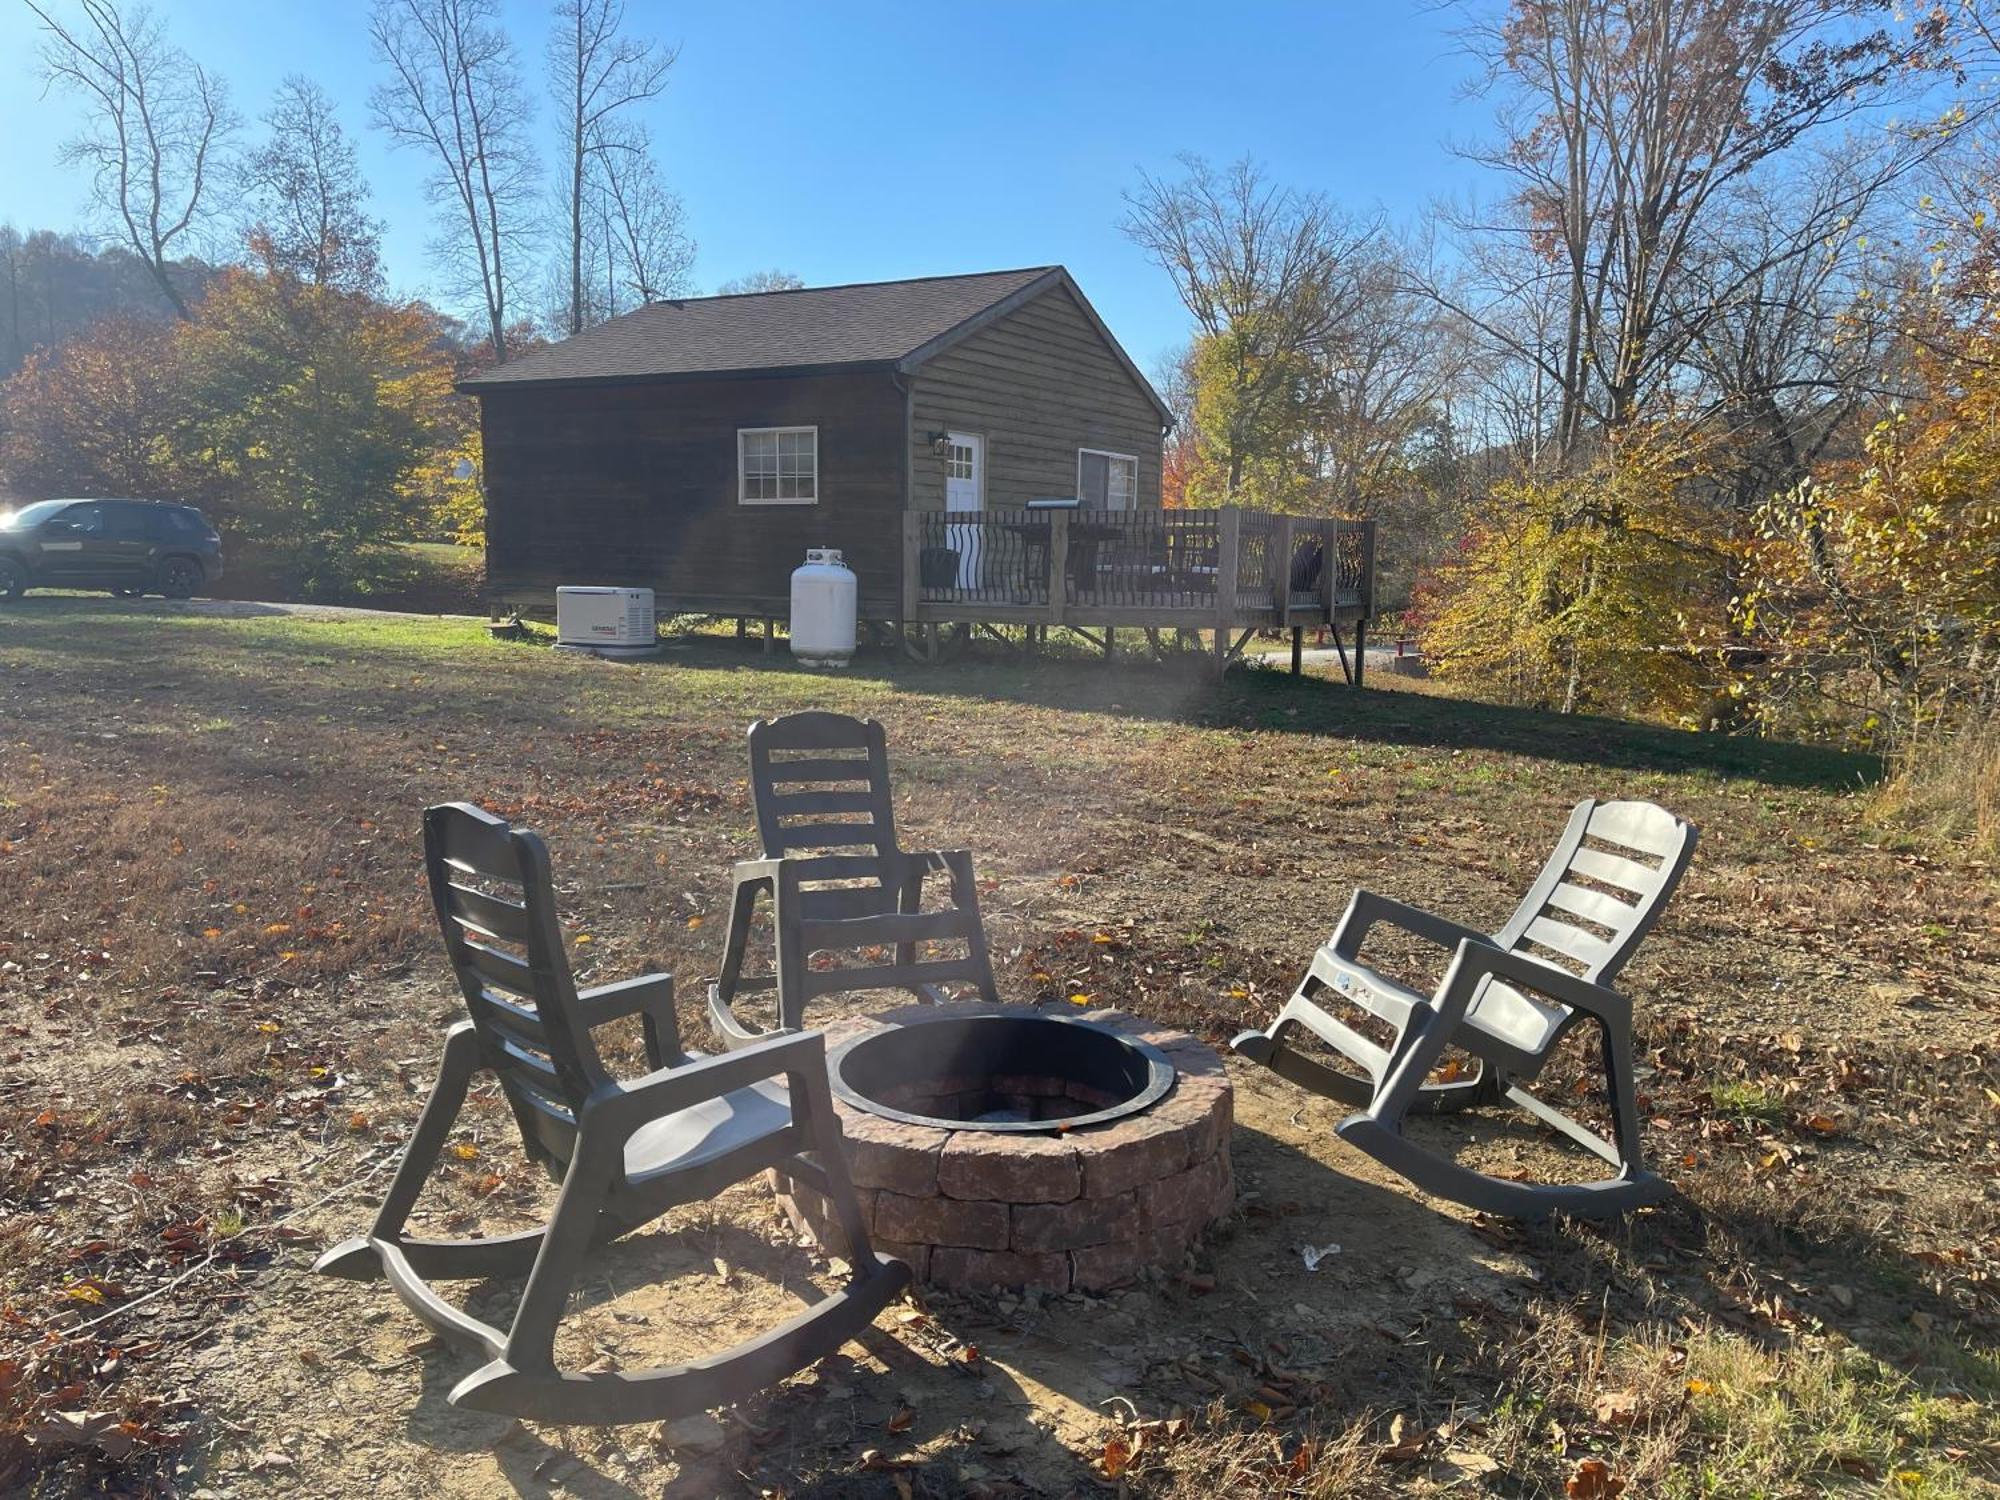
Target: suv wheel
(180, 577)
(13, 578)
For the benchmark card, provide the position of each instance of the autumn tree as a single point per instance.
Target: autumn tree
(1267, 273)
(100, 414)
(306, 197)
(157, 124)
(454, 94)
(322, 414)
(1586, 591)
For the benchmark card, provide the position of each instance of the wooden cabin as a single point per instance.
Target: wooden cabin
(699, 447)
(978, 447)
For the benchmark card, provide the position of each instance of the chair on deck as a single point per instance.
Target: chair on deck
(837, 881)
(625, 1152)
(1506, 999)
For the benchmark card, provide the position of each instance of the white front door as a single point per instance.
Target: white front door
(965, 489)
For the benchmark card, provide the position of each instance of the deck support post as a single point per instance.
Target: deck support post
(1228, 561)
(1058, 566)
(913, 562)
(742, 627)
(1360, 650)
(1110, 643)
(1280, 569)
(770, 635)
(1298, 649)
(1346, 671)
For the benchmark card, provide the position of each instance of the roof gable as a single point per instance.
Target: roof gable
(869, 323)
(885, 324)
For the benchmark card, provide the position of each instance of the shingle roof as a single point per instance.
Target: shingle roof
(868, 323)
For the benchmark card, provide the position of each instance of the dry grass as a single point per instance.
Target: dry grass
(221, 1002)
(1944, 789)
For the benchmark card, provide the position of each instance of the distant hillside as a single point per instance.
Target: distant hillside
(55, 285)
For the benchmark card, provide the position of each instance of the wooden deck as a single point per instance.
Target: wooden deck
(1228, 571)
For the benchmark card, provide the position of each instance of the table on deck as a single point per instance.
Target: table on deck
(1085, 537)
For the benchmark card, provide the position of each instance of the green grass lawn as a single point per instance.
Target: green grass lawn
(222, 994)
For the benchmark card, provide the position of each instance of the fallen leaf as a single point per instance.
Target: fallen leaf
(1462, 1466)
(1617, 1408)
(1593, 1480)
(465, 1151)
(1115, 1459)
(1406, 1441)
(901, 1419)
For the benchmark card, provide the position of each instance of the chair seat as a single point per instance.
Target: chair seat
(1501, 1011)
(704, 1131)
(1518, 1019)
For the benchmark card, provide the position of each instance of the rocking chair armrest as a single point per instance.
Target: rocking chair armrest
(621, 1108)
(648, 996)
(908, 867)
(1366, 909)
(1477, 958)
(754, 871)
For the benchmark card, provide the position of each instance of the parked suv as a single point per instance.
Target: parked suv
(130, 547)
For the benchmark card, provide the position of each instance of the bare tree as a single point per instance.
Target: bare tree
(596, 76)
(1265, 271)
(158, 122)
(650, 252)
(1384, 381)
(760, 281)
(1627, 132)
(454, 92)
(305, 194)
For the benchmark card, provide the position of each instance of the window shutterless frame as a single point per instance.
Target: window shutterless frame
(797, 470)
(1112, 460)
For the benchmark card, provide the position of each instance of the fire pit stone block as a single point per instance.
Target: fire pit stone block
(983, 1167)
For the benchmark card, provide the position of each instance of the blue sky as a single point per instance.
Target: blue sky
(859, 141)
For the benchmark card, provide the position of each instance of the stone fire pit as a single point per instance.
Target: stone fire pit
(1009, 1147)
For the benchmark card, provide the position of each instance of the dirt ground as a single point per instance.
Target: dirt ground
(223, 995)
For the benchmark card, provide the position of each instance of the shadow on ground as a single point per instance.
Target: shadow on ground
(1177, 691)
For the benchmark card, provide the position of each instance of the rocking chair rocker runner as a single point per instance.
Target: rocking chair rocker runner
(1503, 1002)
(625, 1152)
(837, 880)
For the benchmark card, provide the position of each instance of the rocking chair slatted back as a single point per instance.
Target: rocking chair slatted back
(820, 782)
(522, 1002)
(1596, 898)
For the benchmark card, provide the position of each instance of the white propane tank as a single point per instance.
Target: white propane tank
(823, 602)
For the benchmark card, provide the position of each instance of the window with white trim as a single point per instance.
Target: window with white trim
(777, 465)
(1106, 481)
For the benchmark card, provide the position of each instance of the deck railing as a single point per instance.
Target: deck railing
(1197, 568)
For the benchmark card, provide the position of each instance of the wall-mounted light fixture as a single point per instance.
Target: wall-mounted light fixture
(940, 443)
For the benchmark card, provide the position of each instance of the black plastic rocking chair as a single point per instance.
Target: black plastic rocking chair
(625, 1152)
(838, 882)
(1506, 999)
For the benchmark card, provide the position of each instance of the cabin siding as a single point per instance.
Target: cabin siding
(636, 485)
(1038, 384)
